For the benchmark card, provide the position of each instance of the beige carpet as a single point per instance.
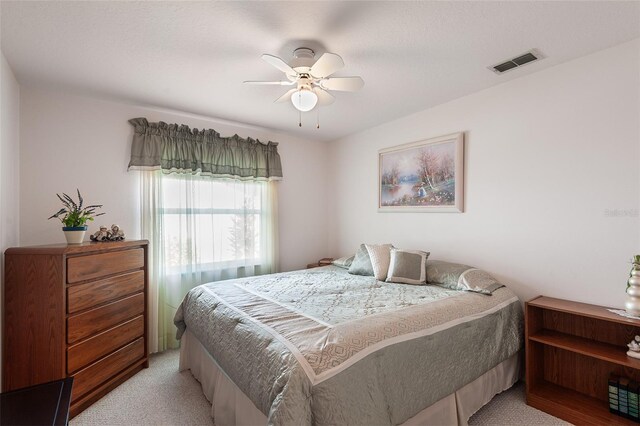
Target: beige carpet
(160, 395)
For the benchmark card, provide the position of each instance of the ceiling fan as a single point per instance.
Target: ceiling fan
(311, 78)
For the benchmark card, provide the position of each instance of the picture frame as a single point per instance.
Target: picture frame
(422, 176)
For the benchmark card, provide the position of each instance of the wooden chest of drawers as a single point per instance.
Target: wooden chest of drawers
(75, 310)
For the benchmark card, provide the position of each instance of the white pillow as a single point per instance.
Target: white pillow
(380, 255)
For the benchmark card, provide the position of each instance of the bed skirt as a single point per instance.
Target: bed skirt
(230, 406)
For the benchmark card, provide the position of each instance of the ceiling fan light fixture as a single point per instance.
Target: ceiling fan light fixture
(304, 100)
(311, 77)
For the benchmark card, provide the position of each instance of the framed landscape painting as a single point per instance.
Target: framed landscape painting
(424, 176)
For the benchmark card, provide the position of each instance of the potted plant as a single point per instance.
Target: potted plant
(74, 217)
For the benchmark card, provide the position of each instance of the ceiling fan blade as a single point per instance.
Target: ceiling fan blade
(326, 65)
(345, 84)
(286, 96)
(272, 83)
(279, 63)
(324, 97)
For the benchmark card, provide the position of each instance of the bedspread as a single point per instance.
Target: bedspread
(325, 347)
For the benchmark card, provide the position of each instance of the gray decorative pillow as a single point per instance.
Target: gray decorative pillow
(361, 264)
(460, 277)
(343, 262)
(408, 267)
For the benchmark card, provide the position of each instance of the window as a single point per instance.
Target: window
(213, 223)
(203, 229)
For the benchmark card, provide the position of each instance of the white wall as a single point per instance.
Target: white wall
(71, 141)
(549, 157)
(9, 167)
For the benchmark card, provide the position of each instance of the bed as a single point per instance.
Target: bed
(322, 346)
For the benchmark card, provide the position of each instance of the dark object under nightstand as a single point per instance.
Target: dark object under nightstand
(45, 404)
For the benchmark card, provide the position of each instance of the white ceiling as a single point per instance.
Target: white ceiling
(193, 56)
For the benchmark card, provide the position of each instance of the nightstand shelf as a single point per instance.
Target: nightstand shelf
(588, 347)
(578, 407)
(572, 349)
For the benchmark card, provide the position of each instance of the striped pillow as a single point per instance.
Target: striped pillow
(380, 257)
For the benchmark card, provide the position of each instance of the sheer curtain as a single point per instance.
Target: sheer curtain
(202, 229)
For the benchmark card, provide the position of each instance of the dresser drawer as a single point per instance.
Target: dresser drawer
(87, 295)
(99, 319)
(101, 344)
(95, 374)
(83, 268)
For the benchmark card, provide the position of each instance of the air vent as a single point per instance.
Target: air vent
(530, 56)
(506, 66)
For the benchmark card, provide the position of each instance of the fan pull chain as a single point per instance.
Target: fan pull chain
(318, 119)
(299, 118)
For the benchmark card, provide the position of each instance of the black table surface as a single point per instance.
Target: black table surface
(45, 404)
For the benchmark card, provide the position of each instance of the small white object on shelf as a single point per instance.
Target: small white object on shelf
(634, 348)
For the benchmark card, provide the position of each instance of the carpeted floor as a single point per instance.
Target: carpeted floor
(160, 395)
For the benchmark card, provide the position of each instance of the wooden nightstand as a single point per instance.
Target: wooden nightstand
(571, 350)
(325, 261)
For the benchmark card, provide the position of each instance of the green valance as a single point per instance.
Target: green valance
(175, 148)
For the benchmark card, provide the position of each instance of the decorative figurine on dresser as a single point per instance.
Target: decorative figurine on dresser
(104, 234)
(77, 310)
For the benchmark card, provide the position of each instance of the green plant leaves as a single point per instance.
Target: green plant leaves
(73, 214)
